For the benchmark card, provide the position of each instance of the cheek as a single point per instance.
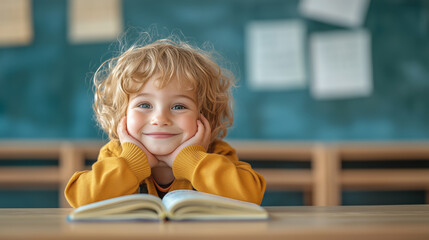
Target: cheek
(134, 123)
(189, 125)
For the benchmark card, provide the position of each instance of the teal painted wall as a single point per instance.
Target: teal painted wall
(45, 87)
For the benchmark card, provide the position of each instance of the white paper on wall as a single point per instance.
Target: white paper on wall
(16, 24)
(94, 20)
(275, 54)
(348, 13)
(341, 64)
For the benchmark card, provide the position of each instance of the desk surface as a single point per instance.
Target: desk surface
(351, 222)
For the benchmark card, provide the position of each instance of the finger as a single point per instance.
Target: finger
(208, 131)
(206, 123)
(200, 130)
(120, 128)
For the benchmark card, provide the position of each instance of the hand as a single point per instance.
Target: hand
(124, 136)
(201, 137)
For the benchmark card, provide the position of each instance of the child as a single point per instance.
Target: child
(166, 107)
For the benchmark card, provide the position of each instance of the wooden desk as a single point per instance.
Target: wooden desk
(340, 222)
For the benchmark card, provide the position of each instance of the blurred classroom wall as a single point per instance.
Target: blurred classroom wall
(46, 85)
(46, 91)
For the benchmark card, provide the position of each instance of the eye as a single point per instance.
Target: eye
(145, 105)
(178, 107)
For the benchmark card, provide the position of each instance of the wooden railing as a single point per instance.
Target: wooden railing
(322, 182)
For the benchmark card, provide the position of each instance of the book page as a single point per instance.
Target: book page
(348, 13)
(94, 20)
(341, 64)
(134, 206)
(275, 54)
(189, 204)
(16, 25)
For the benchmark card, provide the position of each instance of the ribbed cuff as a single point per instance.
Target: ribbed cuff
(187, 160)
(136, 159)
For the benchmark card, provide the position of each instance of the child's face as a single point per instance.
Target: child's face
(162, 119)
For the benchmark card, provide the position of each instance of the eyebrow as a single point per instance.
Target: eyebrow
(174, 96)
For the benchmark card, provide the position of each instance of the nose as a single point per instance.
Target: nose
(160, 118)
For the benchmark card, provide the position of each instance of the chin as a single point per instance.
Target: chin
(160, 151)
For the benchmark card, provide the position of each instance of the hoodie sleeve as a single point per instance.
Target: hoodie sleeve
(219, 173)
(119, 170)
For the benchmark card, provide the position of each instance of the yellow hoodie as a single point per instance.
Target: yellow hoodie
(120, 170)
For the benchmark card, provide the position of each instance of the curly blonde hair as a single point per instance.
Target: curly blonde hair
(168, 59)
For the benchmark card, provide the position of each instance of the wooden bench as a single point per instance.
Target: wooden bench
(321, 183)
(69, 157)
(339, 179)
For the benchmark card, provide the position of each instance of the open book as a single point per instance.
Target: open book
(176, 205)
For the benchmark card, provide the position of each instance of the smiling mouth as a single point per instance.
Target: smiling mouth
(160, 135)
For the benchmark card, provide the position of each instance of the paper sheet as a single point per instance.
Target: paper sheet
(94, 20)
(341, 64)
(16, 26)
(275, 54)
(348, 13)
